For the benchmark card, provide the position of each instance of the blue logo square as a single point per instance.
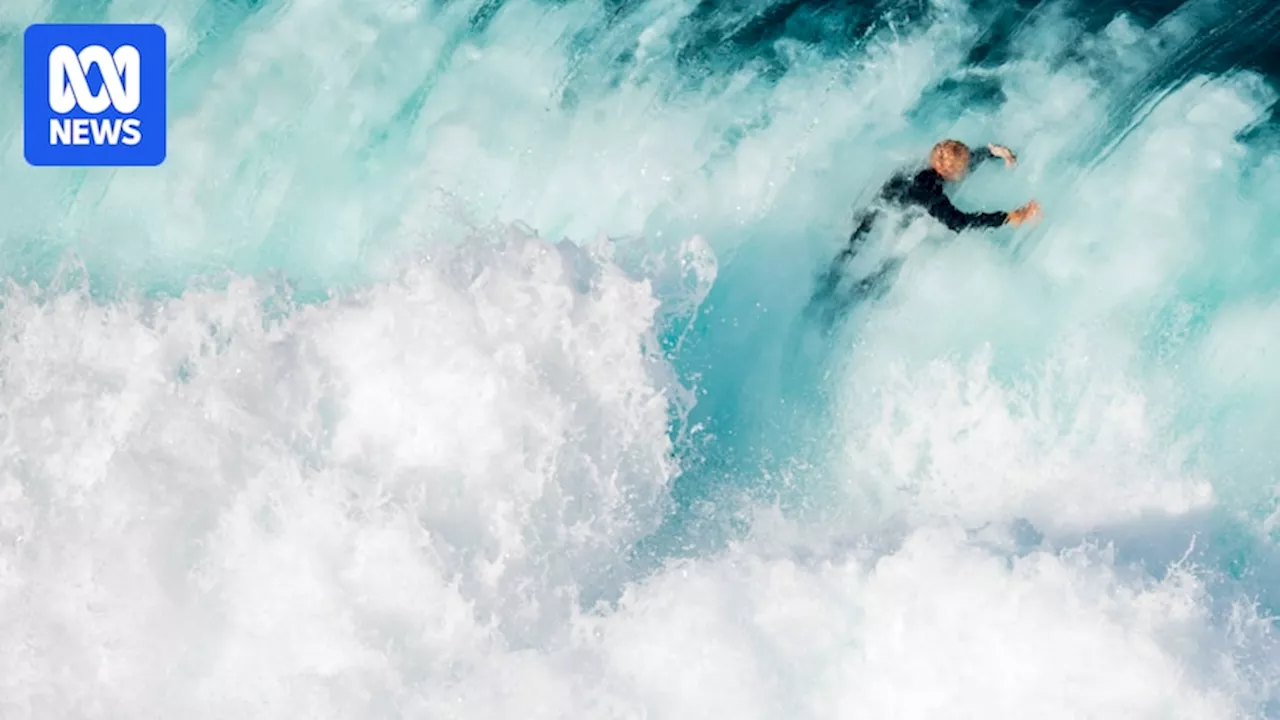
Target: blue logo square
(94, 95)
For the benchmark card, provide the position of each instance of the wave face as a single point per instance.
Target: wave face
(455, 365)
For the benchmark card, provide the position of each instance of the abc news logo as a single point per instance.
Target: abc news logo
(94, 95)
(69, 89)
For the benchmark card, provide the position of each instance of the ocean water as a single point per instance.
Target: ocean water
(455, 365)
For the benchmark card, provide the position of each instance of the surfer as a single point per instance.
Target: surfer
(949, 161)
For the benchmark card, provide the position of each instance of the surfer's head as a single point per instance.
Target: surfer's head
(951, 159)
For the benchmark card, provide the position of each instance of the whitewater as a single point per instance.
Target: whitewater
(454, 365)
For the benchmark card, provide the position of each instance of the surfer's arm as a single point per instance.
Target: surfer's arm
(990, 152)
(940, 207)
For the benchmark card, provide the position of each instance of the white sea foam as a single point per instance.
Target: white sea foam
(387, 505)
(192, 485)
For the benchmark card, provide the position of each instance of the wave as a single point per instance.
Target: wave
(454, 365)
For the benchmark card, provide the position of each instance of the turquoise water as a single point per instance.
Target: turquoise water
(454, 365)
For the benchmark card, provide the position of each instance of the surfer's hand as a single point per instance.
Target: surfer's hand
(1003, 153)
(1024, 213)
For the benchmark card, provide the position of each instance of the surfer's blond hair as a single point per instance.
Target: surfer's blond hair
(950, 157)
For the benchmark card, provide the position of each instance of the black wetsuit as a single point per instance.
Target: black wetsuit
(925, 191)
(922, 190)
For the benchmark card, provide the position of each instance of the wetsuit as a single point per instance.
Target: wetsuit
(923, 190)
